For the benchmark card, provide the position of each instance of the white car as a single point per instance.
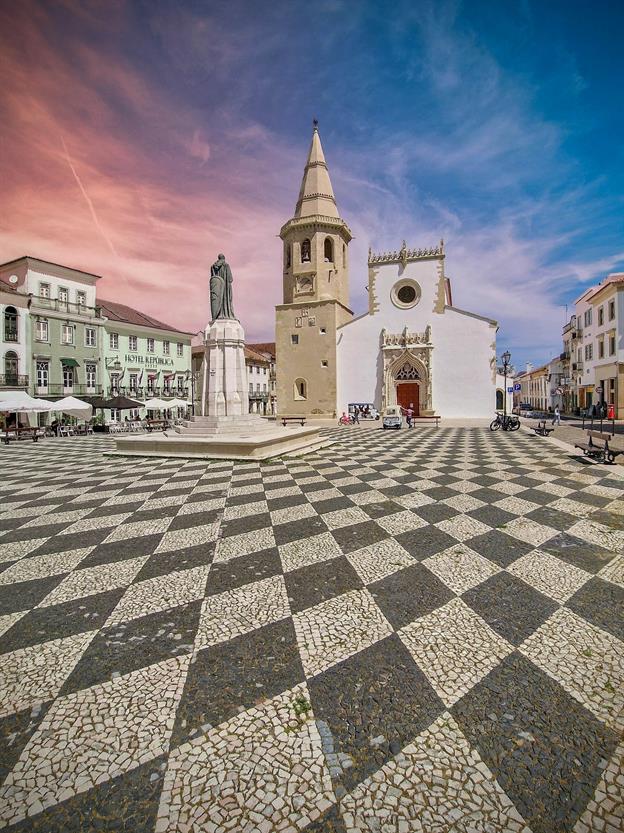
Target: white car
(392, 417)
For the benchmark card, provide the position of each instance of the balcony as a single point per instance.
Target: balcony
(13, 381)
(11, 335)
(68, 390)
(257, 396)
(147, 392)
(40, 302)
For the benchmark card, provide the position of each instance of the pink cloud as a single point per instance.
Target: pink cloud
(84, 189)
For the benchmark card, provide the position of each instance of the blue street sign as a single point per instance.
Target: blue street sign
(510, 390)
(517, 386)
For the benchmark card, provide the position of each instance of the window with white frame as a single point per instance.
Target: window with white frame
(601, 348)
(67, 334)
(588, 317)
(612, 345)
(44, 290)
(113, 341)
(43, 374)
(180, 349)
(68, 376)
(611, 310)
(41, 330)
(63, 294)
(600, 316)
(264, 388)
(133, 379)
(81, 298)
(89, 336)
(165, 348)
(257, 387)
(589, 352)
(90, 374)
(150, 345)
(251, 387)
(180, 384)
(114, 381)
(133, 343)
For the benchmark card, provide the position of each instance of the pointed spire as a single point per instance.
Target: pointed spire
(316, 195)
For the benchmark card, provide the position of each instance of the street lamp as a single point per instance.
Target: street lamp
(191, 375)
(506, 357)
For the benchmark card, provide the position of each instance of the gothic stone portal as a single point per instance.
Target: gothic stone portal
(407, 383)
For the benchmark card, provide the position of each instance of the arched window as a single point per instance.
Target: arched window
(10, 324)
(306, 251)
(328, 250)
(288, 255)
(499, 399)
(10, 368)
(301, 389)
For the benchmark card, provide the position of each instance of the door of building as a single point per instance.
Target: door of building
(408, 393)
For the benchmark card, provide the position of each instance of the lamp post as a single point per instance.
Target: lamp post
(190, 375)
(506, 357)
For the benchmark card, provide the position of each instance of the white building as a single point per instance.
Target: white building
(413, 347)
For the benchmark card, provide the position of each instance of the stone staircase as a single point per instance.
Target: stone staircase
(206, 426)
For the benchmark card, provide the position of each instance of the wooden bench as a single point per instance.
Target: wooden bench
(541, 429)
(425, 420)
(300, 419)
(22, 434)
(603, 453)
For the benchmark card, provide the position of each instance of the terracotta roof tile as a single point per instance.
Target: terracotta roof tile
(254, 355)
(264, 347)
(120, 312)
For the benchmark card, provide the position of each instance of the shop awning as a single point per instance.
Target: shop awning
(70, 362)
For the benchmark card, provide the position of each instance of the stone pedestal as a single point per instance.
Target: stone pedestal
(224, 382)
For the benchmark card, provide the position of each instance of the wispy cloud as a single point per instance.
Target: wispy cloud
(183, 134)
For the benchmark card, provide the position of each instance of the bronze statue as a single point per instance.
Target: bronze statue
(221, 305)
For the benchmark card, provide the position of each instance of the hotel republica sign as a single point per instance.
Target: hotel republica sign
(149, 361)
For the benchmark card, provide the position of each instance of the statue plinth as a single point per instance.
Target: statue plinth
(224, 382)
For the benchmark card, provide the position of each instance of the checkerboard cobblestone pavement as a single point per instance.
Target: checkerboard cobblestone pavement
(419, 631)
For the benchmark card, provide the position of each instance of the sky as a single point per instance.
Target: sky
(140, 138)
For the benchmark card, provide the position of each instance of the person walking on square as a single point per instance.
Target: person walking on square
(556, 420)
(410, 415)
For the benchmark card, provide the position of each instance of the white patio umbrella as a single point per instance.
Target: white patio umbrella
(177, 403)
(155, 404)
(18, 401)
(74, 407)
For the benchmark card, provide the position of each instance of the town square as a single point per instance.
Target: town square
(311, 418)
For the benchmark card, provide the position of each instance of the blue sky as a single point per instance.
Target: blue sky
(497, 126)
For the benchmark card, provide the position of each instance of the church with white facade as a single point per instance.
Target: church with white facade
(412, 346)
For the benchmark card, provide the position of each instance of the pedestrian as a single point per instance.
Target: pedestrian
(410, 414)
(356, 415)
(556, 420)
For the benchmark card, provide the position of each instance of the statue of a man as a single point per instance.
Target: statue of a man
(221, 305)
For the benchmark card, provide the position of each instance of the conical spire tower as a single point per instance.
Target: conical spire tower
(316, 195)
(316, 293)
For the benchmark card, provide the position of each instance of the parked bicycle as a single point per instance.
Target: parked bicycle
(508, 422)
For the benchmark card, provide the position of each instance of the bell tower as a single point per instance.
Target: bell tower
(315, 292)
